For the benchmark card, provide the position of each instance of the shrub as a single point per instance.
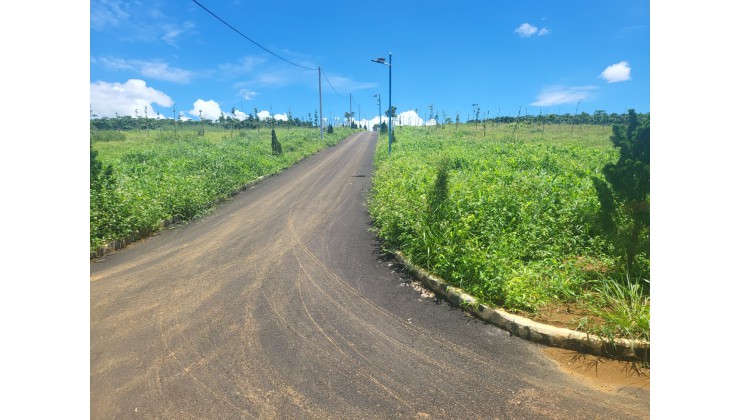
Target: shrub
(625, 196)
(277, 148)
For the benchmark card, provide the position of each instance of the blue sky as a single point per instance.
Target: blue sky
(537, 56)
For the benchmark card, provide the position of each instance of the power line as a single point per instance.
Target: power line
(257, 44)
(332, 87)
(253, 41)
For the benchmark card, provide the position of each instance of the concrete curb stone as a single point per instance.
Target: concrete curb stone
(618, 348)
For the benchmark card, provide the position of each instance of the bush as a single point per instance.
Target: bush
(625, 196)
(277, 148)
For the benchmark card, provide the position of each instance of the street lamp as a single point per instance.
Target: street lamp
(381, 60)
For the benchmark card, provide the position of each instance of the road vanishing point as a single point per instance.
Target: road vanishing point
(282, 304)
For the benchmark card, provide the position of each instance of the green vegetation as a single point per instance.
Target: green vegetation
(277, 148)
(139, 180)
(514, 218)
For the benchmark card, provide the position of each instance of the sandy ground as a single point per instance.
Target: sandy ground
(601, 373)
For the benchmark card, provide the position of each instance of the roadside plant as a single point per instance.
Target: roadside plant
(624, 306)
(277, 148)
(625, 196)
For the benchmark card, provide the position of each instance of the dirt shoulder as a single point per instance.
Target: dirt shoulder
(600, 373)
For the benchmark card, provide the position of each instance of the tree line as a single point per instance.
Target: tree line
(225, 121)
(254, 122)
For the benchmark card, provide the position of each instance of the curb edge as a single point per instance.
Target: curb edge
(618, 348)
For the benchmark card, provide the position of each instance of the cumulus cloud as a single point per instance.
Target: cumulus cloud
(210, 109)
(263, 114)
(619, 72)
(557, 95)
(150, 69)
(409, 117)
(240, 115)
(525, 30)
(109, 99)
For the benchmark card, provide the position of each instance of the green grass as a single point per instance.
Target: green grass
(169, 175)
(510, 219)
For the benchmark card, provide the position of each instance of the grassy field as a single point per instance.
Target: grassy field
(166, 175)
(512, 218)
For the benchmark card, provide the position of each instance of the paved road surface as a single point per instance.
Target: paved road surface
(280, 305)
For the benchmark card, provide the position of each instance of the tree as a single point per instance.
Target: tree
(257, 119)
(391, 113)
(233, 121)
(348, 116)
(277, 148)
(625, 196)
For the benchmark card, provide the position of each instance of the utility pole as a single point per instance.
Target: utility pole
(380, 113)
(321, 109)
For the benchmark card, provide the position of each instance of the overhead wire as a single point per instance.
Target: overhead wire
(266, 49)
(330, 85)
(250, 39)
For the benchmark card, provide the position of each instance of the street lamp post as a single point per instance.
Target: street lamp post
(381, 60)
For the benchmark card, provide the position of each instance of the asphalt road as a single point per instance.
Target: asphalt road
(281, 305)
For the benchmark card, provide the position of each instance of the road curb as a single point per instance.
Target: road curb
(618, 348)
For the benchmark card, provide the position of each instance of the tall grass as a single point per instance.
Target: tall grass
(512, 221)
(180, 175)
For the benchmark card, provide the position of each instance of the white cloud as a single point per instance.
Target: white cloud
(171, 32)
(525, 30)
(153, 24)
(619, 72)
(151, 69)
(266, 115)
(244, 66)
(106, 13)
(557, 95)
(210, 110)
(107, 99)
(263, 114)
(345, 84)
(409, 117)
(240, 115)
(247, 94)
